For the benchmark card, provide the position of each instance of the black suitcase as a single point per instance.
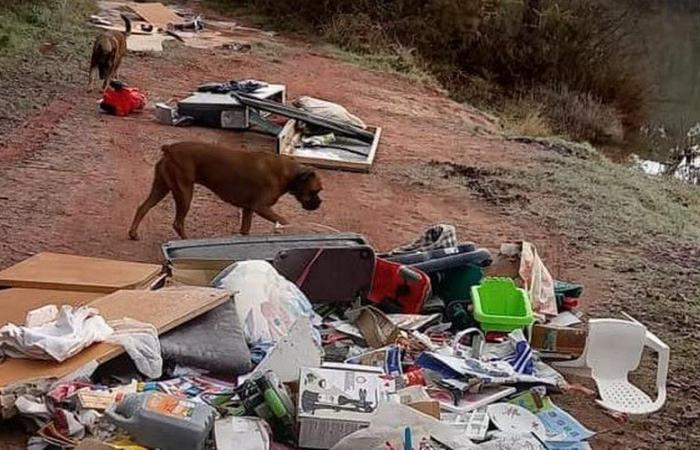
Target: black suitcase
(329, 274)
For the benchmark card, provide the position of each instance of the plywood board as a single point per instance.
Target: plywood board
(15, 303)
(156, 13)
(146, 43)
(78, 273)
(164, 308)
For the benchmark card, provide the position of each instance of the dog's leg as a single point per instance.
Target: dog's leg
(246, 221)
(183, 199)
(267, 213)
(159, 190)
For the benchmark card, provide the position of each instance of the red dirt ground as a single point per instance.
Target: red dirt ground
(71, 177)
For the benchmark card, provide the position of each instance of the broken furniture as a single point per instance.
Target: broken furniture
(222, 110)
(351, 147)
(613, 349)
(198, 261)
(79, 273)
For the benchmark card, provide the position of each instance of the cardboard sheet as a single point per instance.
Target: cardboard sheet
(78, 273)
(164, 308)
(15, 303)
(156, 13)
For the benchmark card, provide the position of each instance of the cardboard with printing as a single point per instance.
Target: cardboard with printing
(336, 402)
(560, 341)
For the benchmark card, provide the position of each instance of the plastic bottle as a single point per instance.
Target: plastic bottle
(162, 421)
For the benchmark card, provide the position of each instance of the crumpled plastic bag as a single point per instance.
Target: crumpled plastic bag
(267, 303)
(140, 340)
(328, 110)
(538, 281)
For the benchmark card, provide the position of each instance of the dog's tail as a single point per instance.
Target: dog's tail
(127, 24)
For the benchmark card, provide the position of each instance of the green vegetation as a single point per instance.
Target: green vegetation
(44, 46)
(24, 24)
(570, 67)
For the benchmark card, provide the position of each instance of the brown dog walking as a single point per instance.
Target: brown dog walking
(253, 181)
(107, 53)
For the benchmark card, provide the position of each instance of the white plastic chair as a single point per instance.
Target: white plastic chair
(613, 349)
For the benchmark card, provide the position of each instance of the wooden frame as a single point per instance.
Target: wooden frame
(290, 136)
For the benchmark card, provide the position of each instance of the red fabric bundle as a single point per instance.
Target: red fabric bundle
(122, 102)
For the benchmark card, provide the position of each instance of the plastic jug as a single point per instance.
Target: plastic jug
(163, 421)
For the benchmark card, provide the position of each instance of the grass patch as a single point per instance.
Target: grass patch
(398, 61)
(44, 48)
(25, 24)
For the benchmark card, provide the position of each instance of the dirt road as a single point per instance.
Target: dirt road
(71, 177)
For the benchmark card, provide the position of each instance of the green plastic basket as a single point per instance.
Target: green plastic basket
(501, 306)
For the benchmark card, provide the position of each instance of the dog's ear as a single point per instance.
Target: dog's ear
(301, 175)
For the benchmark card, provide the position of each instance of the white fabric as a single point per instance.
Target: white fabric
(140, 340)
(267, 303)
(72, 331)
(328, 110)
(41, 316)
(538, 281)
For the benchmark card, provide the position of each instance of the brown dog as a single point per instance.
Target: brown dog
(107, 53)
(253, 181)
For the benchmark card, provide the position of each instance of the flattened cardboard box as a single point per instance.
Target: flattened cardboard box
(559, 340)
(334, 403)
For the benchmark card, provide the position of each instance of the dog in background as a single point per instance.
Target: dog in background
(252, 181)
(107, 53)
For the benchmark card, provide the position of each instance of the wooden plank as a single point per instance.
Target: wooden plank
(156, 13)
(375, 144)
(78, 273)
(165, 309)
(15, 303)
(287, 138)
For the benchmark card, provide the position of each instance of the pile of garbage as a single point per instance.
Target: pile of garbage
(308, 341)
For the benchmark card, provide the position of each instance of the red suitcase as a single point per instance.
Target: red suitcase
(397, 288)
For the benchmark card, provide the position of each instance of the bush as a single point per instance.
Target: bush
(581, 116)
(586, 45)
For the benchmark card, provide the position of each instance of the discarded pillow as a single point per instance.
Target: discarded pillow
(267, 303)
(213, 341)
(328, 110)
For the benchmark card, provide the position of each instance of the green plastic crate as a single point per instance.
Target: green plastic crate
(501, 306)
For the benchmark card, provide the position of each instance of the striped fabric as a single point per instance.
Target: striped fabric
(521, 358)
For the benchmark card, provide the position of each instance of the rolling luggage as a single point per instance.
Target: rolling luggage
(329, 274)
(397, 288)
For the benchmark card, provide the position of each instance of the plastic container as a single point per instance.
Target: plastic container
(456, 284)
(501, 306)
(163, 421)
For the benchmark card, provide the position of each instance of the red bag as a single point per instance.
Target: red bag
(122, 102)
